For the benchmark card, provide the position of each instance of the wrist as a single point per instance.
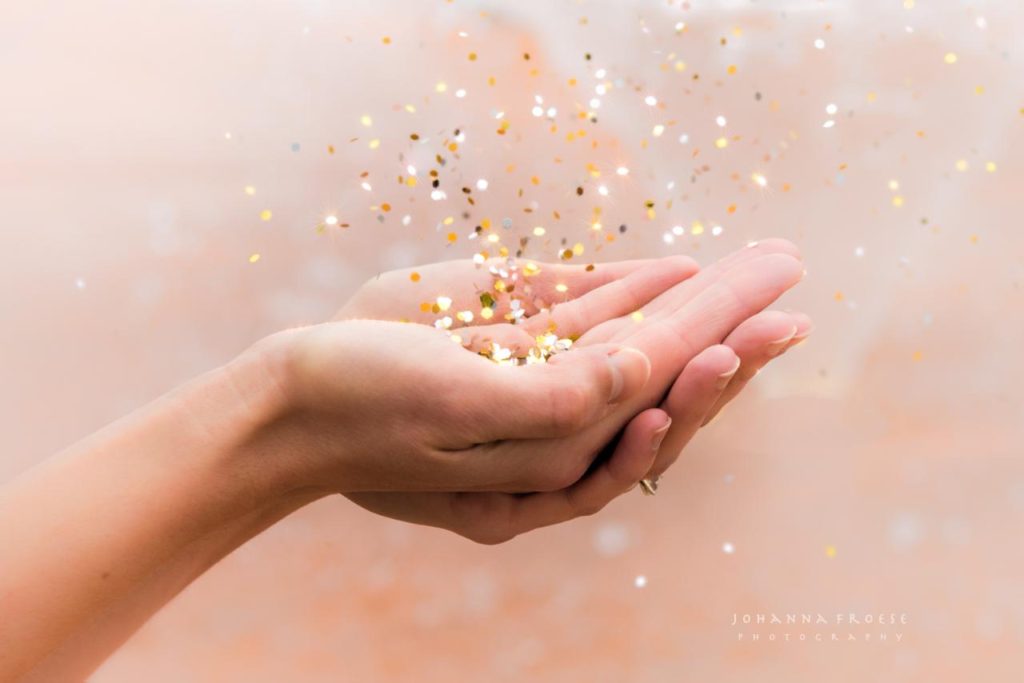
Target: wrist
(248, 409)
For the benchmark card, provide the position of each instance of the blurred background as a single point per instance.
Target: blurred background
(178, 179)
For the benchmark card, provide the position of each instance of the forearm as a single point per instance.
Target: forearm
(98, 538)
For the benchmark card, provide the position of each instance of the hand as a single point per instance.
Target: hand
(709, 381)
(390, 406)
(567, 313)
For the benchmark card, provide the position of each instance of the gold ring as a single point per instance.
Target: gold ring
(649, 486)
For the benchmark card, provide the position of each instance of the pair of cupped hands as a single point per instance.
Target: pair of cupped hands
(410, 425)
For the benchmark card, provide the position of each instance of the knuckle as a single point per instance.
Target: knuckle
(568, 408)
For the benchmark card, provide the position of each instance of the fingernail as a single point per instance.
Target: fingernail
(659, 435)
(726, 377)
(775, 348)
(630, 369)
(799, 339)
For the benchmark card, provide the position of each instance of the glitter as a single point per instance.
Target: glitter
(441, 86)
(460, 93)
(366, 186)
(721, 143)
(637, 316)
(917, 356)
(452, 237)
(414, 276)
(819, 43)
(657, 130)
(406, 219)
(561, 288)
(539, 231)
(830, 551)
(683, 139)
(950, 58)
(831, 109)
(481, 184)
(472, 56)
(253, 258)
(266, 214)
(894, 185)
(897, 201)
(716, 230)
(622, 170)
(602, 190)
(720, 120)
(640, 581)
(250, 190)
(486, 312)
(828, 124)
(678, 230)
(759, 180)
(728, 548)
(731, 70)
(438, 195)
(651, 101)
(962, 165)
(443, 303)
(366, 120)
(858, 252)
(79, 283)
(331, 220)
(990, 166)
(374, 144)
(531, 269)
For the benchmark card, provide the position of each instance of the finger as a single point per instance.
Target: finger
(557, 398)
(690, 399)
(614, 299)
(757, 341)
(678, 296)
(630, 462)
(670, 340)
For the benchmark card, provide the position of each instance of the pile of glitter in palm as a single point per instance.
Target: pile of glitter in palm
(547, 346)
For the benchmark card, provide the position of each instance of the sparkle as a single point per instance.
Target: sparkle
(640, 581)
(266, 215)
(728, 548)
(253, 258)
(819, 43)
(950, 58)
(622, 170)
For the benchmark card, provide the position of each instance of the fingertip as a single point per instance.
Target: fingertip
(717, 361)
(630, 369)
(778, 245)
(804, 326)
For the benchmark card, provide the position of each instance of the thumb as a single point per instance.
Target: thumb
(570, 392)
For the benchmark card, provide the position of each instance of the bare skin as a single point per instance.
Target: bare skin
(393, 415)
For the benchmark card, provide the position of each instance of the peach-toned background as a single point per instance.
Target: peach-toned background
(891, 441)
